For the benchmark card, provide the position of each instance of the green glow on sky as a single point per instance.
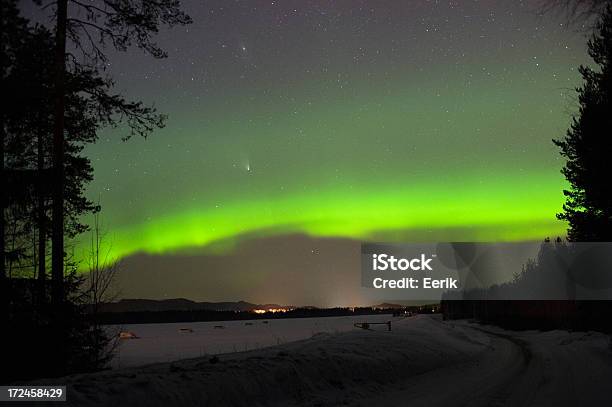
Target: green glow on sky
(503, 209)
(419, 145)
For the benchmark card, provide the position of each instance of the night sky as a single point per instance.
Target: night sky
(330, 123)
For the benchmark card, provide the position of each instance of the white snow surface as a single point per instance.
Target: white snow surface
(166, 343)
(423, 361)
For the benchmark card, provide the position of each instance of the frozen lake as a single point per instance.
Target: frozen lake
(166, 343)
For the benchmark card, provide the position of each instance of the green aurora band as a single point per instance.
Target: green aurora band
(520, 214)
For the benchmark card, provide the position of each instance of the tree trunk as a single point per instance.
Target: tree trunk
(42, 225)
(4, 292)
(57, 255)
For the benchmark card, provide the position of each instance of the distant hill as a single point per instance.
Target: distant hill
(182, 304)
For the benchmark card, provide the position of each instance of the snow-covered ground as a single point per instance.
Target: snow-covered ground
(169, 342)
(421, 362)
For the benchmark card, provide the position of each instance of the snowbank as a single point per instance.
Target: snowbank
(422, 361)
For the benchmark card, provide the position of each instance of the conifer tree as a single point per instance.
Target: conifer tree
(587, 146)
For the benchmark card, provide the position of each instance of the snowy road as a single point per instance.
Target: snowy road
(421, 362)
(498, 376)
(519, 369)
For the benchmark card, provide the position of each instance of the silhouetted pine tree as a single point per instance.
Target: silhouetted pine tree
(89, 26)
(588, 145)
(60, 339)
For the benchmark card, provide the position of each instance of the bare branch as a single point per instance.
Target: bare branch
(576, 12)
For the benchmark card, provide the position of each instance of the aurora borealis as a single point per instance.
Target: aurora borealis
(413, 121)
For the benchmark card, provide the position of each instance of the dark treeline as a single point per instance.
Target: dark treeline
(587, 148)
(542, 295)
(57, 96)
(539, 315)
(560, 271)
(146, 317)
